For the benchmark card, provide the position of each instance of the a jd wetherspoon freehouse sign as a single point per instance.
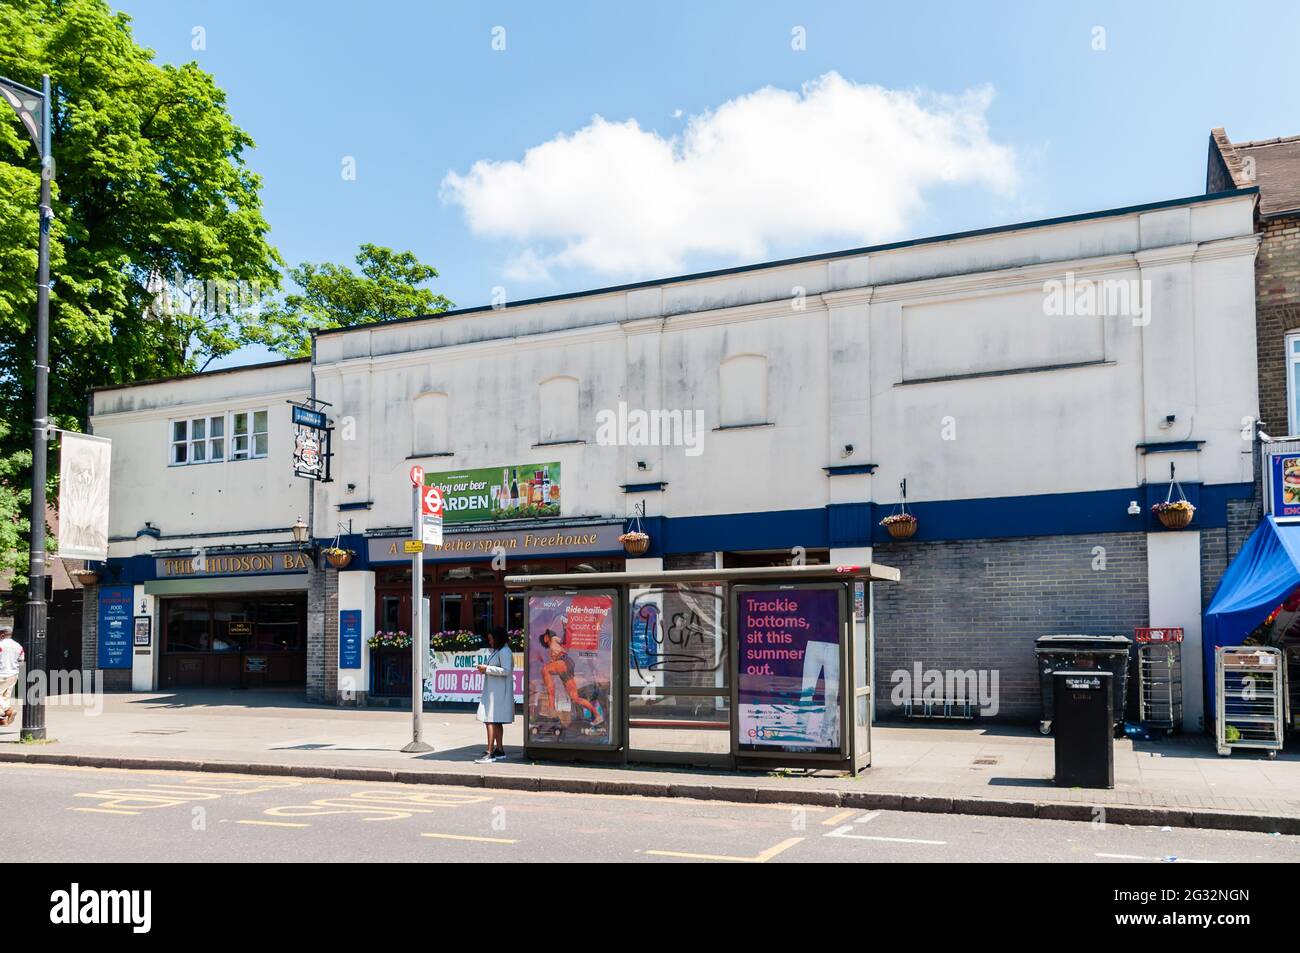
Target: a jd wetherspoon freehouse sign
(517, 491)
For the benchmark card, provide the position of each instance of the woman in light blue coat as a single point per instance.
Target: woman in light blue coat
(496, 708)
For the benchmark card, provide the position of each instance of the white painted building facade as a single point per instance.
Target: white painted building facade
(1024, 421)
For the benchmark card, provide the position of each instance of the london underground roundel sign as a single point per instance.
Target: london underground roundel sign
(432, 501)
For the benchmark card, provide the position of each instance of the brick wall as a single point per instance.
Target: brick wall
(1277, 304)
(318, 687)
(332, 635)
(980, 604)
(323, 636)
(1220, 546)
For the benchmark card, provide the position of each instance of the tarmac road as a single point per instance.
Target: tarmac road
(64, 813)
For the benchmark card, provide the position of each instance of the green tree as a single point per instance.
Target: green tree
(151, 187)
(334, 296)
(15, 504)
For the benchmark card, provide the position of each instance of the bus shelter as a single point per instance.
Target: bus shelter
(741, 668)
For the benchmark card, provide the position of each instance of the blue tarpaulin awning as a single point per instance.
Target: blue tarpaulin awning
(1257, 581)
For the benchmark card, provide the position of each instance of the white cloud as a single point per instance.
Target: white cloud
(835, 162)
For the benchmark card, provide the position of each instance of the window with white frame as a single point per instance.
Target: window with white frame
(248, 434)
(198, 440)
(214, 439)
(1293, 382)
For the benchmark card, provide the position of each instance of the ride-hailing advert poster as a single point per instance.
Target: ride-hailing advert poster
(570, 668)
(789, 680)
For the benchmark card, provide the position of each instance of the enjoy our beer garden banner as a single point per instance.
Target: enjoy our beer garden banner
(516, 491)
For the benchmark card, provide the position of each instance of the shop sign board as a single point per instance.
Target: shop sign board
(490, 494)
(306, 417)
(570, 669)
(235, 564)
(1284, 486)
(789, 648)
(116, 626)
(453, 678)
(349, 638)
(561, 541)
(312, 441)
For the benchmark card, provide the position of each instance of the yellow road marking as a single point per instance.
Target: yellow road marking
(491, 793)
(272, 823)
(484, 840)
(760, 858)
(838, 816)
(385, 805)
(102, 810)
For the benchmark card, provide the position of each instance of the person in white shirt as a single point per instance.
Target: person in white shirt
(11, 659)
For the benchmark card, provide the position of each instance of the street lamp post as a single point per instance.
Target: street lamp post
(25, 101)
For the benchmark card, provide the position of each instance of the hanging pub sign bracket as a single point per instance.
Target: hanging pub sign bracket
(313, 452)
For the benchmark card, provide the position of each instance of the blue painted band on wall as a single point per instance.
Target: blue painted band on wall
(845, 525)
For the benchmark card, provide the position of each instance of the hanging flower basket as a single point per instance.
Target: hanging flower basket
(85, 577)
(1174, 515)
(900, 525)
(338, 558)
(635, 543)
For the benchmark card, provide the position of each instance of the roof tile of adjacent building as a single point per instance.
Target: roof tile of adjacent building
(1276, 170)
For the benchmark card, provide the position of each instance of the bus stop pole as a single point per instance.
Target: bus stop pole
(418, 744)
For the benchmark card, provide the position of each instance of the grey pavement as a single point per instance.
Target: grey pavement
(964, 768)
(115, 815)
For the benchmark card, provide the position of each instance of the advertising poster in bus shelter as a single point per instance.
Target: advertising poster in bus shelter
(570, 668)
(788, 643)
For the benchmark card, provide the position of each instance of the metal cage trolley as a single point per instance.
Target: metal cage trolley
(1160, 678)
(1248, 698)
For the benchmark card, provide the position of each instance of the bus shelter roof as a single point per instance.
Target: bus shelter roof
(870, 572)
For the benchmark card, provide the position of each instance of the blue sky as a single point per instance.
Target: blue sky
(994, 114)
